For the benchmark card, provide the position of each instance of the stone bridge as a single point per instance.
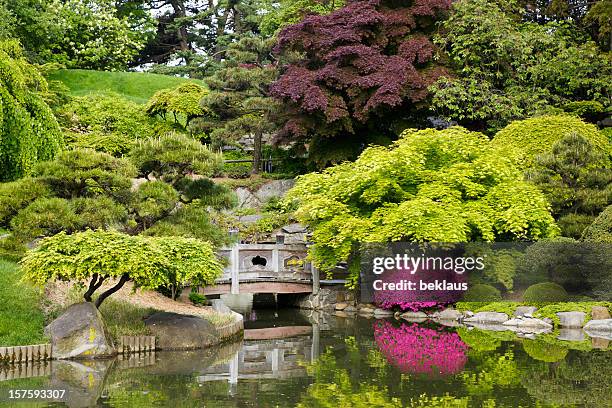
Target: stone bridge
(266, 268)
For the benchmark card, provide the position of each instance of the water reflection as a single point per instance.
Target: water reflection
(291, 358)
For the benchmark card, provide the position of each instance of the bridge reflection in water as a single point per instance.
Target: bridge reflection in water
(270, 353)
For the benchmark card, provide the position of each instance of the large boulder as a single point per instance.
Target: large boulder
(571, 319)
(84, 383)
(528, 323)
(600, 313)
(182, 332)
(80, 333)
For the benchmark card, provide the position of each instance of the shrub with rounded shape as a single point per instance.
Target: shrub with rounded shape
(17, 195)
(45, 216)
(98, 212)
(601, 229)
(523, 140)
(482, 293)
(545, 292)
(155, 199)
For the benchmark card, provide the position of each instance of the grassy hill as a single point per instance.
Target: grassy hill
(137, 86)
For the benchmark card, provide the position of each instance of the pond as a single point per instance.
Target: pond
(294, 358)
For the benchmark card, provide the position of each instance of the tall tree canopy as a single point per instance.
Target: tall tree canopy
(359, 70)
(238, 104)
(505, 70)
(28, 130)
(79, 33)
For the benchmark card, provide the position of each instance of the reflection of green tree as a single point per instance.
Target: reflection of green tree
(542, 351)
(478, 339)
(494, 370)
(582, 379)
(333, 388)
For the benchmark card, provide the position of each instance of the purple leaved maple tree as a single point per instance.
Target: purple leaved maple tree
(359, 68)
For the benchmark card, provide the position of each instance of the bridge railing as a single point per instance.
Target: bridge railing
(267, 262)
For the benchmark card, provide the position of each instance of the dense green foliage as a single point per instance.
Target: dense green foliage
(524, 140)
(83, 189)
(78, 33)
(238, 104)
(21, 320)
(601, 229)
(95, 256)
(28, 130)
(577, 180)
(545, 292)
(444, 186)
(182, 101)
(507, 70)
(108, 123)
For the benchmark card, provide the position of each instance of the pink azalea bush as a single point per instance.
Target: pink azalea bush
(420, 350)
(417, 300)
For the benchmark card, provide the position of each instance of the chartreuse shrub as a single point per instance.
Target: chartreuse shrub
(545, 292)
(524, 140)
(94, 257)
(107, 122)
(28, 130)
(430, 185)
(182, 101)
(482, 293)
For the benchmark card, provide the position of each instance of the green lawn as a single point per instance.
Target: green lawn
(21, 320)
(137, 86)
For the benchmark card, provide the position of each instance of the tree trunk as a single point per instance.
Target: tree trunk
(93, 286)
(119, 285)
(257, 152)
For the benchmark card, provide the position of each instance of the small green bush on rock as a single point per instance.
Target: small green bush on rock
(545, 292)
(482, 293)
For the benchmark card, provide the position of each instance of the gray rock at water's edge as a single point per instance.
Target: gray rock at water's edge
(450, 314)
(182, 332)
(220, 307)
(487, 317)
(411, 316)
(80, 333)
(528, 323)
(469, 313)
(250, 219)
(525, 310)
(599, 328)
(571, 319)
(570, 334)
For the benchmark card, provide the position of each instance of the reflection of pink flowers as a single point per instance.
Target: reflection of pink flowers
(420, 350)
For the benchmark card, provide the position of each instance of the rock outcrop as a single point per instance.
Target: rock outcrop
(80, 333)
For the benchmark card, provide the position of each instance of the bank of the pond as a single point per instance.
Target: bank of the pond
(26, 310)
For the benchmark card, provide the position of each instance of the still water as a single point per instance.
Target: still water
(292, 358)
